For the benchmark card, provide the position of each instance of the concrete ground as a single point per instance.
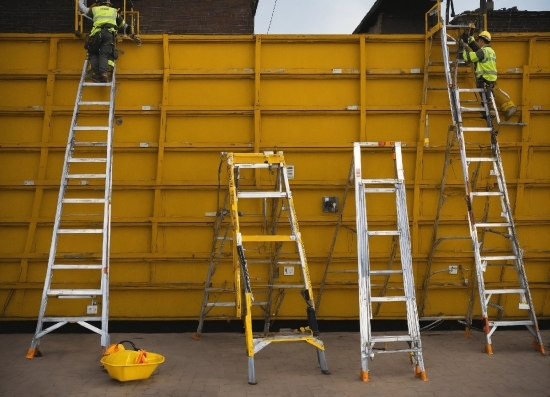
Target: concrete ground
(216, 366)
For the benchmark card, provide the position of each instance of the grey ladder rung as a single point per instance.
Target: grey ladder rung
(388, 299)
(384, 233)
(476, 129)
(224, 238)
(498, 258)
(464, 109)
(74, 292)
(379, 190)
(225, 304)
(96, 84)
(94, 103)
(87, 160)
(457, 26)
(71, 319)
(261, 194)
(90, 143)
(470, 90)
(79, 231)
(86, 176)
(510, 323)
(479, 159)
(90, 128)
(381, 181)
(486, 193)
(505, 291)
(84, 200)
(77, 267)
(391, 338)
(385, 272)
(493, 224)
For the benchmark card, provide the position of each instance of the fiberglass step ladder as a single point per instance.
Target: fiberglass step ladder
(366, 268)
(287, 249)
(78, 264)
(489, 254)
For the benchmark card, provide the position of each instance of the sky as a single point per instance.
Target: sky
(343, 16)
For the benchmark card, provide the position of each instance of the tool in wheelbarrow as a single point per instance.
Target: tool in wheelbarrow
(126, 365)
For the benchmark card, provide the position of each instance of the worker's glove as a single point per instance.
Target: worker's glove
(465, 37)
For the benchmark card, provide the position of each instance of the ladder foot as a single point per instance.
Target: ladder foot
(196, 336)
(538, 347)
(488, 348)
(420, 374)
(364, 376)
(467, 332)
(32, 353)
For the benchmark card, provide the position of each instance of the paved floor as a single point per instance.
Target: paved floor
(216, 366)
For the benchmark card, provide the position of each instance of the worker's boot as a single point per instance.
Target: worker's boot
(104, 78)
(92, 75)
(510, 112)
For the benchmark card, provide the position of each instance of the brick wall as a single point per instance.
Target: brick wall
(156, 16)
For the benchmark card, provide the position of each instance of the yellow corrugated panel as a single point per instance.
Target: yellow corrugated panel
(182, 100)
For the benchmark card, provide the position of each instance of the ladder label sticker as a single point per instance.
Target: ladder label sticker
(146, 107)
(415, 70)
(290, 171)
(353, 107)
(28, 183)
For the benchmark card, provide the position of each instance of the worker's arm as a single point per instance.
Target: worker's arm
(476, 54)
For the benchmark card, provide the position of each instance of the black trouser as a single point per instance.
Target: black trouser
(487, 86)
(100, 49)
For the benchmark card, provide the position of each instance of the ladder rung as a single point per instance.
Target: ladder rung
(384, 233)
(288, 286)
(90, 128)
(510, 323)
(505, 291)
(476, 129)
(268, 238)
(437, 88)
(385, 272)
(486, 193)
(479, 159)
(388, 299)
(391, 338)
(494, 224)
(87, 160)
(79, 231)
(77, 267)
(220, 304)
(457, 26)
(379, 190)
(261, 194)
(470, 90)
(498, 258)
(375, 181)
(74, 292)
(96, 84)
(94, 103)
(463, 109)
(90, 143)
(83, 201)
(86, 176)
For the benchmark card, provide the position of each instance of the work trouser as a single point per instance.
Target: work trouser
(502, 99)
(101, 49)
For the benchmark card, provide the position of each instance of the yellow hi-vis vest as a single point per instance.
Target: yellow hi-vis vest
(103, 15)
(487, 67)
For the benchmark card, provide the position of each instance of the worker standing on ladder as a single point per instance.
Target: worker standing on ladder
(101, 42)
(485, 59)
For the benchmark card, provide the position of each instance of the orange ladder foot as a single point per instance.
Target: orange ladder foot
(364, 376)
(488, 349)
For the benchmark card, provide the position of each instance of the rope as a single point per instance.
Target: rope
(272, 13)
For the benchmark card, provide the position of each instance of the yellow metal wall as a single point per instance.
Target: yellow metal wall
(182, 100)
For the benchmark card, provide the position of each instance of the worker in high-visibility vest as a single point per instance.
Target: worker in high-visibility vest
(101, 42)
(485, 59)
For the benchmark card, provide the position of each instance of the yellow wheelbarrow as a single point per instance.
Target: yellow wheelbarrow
(125, 365)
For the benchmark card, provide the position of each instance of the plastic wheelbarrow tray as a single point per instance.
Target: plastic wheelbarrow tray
(122, 365)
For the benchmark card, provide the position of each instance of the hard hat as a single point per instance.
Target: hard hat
(106, 2)
(486, 35)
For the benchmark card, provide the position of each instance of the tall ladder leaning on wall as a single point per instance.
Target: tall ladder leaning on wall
(365, 184)
(78, 264)
(494, 239)
(287, 248)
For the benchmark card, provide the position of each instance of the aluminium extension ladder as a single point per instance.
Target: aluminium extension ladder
(494, 241)
(287, 253)
(78, 264)
(368, 268)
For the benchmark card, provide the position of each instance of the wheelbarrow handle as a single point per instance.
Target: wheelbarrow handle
(130, 342)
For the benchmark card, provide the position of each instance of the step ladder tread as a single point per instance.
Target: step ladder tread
(262, 194)
(91, 128)
(99, 143)
(94, 103)
(506, 291)
(389, 298)
(84, 176)
(77, 266)
(79, 231)
(385, 272)
(83, 200)
(87, 160)
(391, 338)
(74, 292)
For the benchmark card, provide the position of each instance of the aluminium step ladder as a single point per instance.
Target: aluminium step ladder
(281, 241)
(495, 244)
(369, 268)
(78, 264)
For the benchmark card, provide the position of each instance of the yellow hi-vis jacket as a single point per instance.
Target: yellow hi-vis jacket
(105, 15)
(485, 60)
